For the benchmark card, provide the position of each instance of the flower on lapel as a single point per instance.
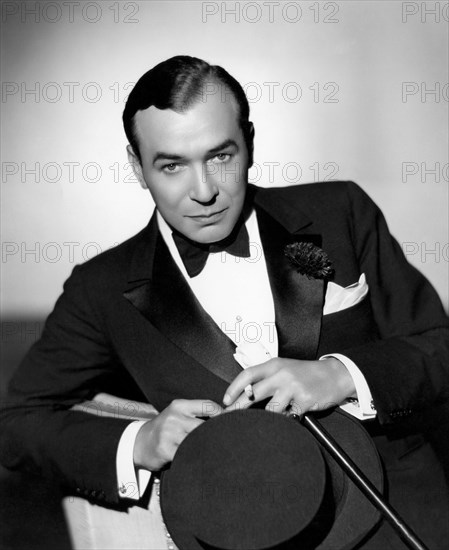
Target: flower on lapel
(309, 260)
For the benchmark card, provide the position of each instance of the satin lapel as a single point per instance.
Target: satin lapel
(167, 301)
(298, 301)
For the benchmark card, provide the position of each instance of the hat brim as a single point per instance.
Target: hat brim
(184, 482)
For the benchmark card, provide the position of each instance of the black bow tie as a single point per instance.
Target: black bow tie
(194, 255)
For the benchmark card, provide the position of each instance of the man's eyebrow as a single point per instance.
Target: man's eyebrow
(223, 145)
(160, 155)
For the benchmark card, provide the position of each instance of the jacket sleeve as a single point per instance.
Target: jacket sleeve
(68, 365)
(407, 368)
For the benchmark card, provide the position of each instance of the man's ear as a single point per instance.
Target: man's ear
(136, 166)
(250, 142)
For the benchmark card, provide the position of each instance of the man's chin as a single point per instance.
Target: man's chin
(209, 234)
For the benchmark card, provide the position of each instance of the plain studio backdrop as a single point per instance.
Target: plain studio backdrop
(338, 90)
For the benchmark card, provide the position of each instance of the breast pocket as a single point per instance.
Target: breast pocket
(348, 328)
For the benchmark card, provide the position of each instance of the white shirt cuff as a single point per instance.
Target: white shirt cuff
(130, 485)
(361, 407)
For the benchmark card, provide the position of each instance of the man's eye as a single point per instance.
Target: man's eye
(221, 157)
(171, 168)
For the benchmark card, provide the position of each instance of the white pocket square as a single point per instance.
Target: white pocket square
(338, 298)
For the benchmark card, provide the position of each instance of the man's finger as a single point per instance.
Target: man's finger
(209, 409)
(279, 402)
(266, 388)
(249, 376)
(197, 407)
(242, 402)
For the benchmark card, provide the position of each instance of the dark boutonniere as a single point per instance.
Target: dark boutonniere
(309, 260)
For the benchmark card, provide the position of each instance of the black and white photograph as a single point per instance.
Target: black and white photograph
(224, 275)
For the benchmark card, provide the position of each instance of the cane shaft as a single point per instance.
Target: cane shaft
(362, 482)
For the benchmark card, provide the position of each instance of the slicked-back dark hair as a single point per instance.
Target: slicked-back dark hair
(177, 84)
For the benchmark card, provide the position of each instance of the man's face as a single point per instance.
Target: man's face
(195, 165)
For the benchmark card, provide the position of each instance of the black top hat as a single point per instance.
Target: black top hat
(254, 480)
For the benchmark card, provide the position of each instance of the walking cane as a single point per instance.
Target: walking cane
(362, 482)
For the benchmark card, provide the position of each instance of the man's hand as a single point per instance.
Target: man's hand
(300, 386)
(158, 439)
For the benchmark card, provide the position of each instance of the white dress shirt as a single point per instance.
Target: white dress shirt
(245, 313)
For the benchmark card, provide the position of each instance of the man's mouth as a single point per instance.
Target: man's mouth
(208, 216)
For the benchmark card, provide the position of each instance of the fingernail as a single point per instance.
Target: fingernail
(226, 399)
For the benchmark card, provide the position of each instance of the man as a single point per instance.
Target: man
(158, 318)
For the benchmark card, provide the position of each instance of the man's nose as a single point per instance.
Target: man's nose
(203, 188)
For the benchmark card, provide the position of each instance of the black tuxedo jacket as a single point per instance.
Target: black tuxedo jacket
(127, 323)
